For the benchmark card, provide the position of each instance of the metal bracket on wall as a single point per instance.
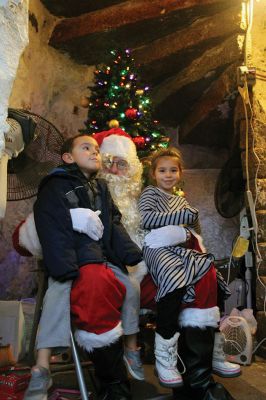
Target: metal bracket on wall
(246, 74)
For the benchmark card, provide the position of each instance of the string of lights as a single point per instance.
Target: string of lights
(119, 94)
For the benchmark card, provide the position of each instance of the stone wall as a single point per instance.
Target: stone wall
(48, 83)
(14, 37)
(218, 233)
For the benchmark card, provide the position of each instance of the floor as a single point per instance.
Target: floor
(251, 385)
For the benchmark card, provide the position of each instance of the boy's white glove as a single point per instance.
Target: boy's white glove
(170, 235)
(87, 221)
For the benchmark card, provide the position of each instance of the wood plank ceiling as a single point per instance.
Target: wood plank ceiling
(188, 51)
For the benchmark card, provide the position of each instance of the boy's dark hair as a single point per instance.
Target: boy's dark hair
(68, 144)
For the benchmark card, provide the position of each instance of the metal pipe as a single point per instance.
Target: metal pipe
(80, 376)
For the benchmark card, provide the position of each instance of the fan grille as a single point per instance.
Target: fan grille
(235, 340)
(37, 159)
(238, 340)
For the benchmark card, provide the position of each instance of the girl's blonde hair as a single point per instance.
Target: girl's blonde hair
(169, 152)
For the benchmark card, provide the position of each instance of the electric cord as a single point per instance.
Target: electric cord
(230, 262)
(229, 268)
(246, 101)
(258, 345)
(257, 251)
(262, 70)
(254, 240)
(249, 23)
(260, 78)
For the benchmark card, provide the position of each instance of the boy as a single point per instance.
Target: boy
(73, 185)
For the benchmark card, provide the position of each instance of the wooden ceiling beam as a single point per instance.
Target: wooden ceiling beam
(219, 25)
(109, 18)
(225, 53)
(214, 96)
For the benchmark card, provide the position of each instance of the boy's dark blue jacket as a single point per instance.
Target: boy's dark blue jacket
(65, 250)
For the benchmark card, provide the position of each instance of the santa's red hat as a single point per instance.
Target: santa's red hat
(117, 142)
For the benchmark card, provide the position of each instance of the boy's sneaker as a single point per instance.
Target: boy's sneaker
(39, 384)
(134, 364)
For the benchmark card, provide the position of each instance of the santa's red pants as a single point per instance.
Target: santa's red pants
(96, 299)
(205, 292)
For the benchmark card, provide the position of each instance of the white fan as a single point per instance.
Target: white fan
(238, 340)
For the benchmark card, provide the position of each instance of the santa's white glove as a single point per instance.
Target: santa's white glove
(170, 235)
(28, 237)
(87, 221)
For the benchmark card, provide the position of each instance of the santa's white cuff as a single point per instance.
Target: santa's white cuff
(28, 237)
(199, 317)
(90, 341)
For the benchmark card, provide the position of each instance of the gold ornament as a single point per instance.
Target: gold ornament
(84, 101)
(178, 191)
(139, 92)
(113, 123)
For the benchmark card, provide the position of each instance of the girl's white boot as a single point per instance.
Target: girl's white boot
(166, 360)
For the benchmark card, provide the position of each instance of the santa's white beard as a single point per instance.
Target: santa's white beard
(125, 192)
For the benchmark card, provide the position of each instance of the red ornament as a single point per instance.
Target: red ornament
(131, 113)
(139, 142)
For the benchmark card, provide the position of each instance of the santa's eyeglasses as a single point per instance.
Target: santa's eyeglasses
(108, 163)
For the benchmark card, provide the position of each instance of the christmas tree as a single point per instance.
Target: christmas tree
(119, 95)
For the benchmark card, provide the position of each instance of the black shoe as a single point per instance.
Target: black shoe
(108, 363)
(195, 347)
(116, 391)
(216, 391)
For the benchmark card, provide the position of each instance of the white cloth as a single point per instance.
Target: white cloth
(170, 235)
(87, 221)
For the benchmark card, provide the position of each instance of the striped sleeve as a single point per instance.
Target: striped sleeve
(154, 212)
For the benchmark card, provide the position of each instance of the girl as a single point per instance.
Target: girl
(175, 269)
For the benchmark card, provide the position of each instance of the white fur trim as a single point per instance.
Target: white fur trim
(28, 237)
(138, 271)
(119, 146)
(199, 317)
(90, 341)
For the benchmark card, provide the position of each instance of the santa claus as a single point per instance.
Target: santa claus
(200, 345)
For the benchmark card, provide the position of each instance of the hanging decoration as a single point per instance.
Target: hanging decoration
(84, 102)
(131, 113)
(139, 142)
